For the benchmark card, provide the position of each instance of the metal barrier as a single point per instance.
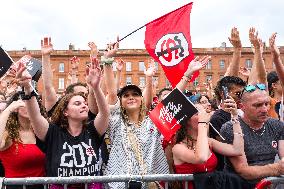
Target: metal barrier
(268, 181)
(101, 179)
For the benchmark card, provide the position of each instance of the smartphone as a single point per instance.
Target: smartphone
(225, 92)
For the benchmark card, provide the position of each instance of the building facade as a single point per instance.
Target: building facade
(137, 59)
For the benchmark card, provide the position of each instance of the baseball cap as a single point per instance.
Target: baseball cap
(127, 88)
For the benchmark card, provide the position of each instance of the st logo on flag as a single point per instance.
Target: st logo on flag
(171, 49)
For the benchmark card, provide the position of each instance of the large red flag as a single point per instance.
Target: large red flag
(167, 40)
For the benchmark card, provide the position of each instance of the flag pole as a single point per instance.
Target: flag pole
(131, 33)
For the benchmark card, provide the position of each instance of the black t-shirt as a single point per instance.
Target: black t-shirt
(260, 146)
(73, 156)
(217, 120)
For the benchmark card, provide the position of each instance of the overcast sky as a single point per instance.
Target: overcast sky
(24, 23)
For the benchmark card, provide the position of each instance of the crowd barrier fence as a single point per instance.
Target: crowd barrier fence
(269, 181)
(90, 179)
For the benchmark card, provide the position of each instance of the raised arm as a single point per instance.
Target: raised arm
(93, 76)
(194, 65)
(258, 72)
(276, 58)
(39, 123)
(148, 90)
(235, 40)
(47, 75)
(237, 147)
(4, 118)
(119, 67)
(107, 60)
(92, 103)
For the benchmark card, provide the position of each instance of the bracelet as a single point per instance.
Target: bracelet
(203, 122)
(28, 97)
(106, 61)
(240, 134)
(186, 78)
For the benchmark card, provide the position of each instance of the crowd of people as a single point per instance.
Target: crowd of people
(96, 128)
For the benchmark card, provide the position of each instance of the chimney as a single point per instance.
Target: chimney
(71, 47)
(223, 44)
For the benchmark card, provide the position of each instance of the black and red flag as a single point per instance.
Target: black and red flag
(171, 113)
(167, 40)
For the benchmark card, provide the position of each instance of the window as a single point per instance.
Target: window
(141, 66)
(208, 78)
(128, 66)
(61, 67)
(248, 63)
(61, 83)
(222, 64)
(195, 82)
(142, 81)
(128, 80)
(209, 65)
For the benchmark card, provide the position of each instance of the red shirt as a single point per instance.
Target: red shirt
(23, 160)
(189, 168)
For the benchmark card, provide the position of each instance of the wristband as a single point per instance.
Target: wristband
(28, 97)
(106, 61)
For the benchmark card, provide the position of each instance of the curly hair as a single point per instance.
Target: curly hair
(181, 134)
(229, 82)
(58, 116)
(13, 125)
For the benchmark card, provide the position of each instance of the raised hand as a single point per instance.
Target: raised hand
(202, 115)
(75, 61)
(231, 106)
(94, 49)
(253, 37)
(197, 64)
(46, 46)
(244, 71)
(111, 49)
(151, 70)
(235, 38)
(23, 75)
(273, 48)
(93, 75)
(120, 64)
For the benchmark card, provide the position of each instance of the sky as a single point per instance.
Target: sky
(25, 23)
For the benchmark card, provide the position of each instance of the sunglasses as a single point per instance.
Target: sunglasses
(251, 88)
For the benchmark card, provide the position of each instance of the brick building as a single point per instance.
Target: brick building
(133, 71)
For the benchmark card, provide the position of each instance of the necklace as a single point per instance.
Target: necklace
(257, 132)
